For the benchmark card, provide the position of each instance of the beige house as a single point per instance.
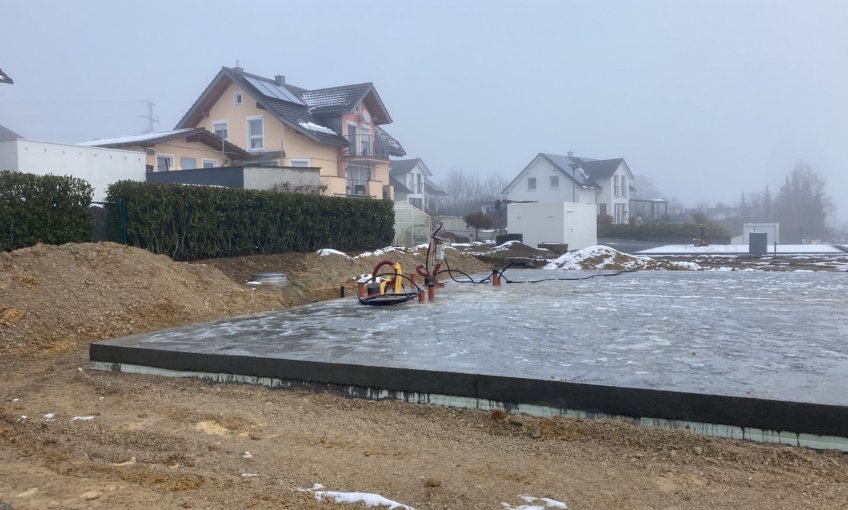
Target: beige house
(181, 149)
(335, 130)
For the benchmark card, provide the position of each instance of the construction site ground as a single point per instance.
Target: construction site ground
(75, 438)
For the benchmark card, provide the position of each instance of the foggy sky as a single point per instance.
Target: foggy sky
(707, 99)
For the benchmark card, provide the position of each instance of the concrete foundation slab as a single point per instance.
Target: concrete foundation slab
(740, 354)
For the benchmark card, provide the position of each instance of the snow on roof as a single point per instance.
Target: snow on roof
(133, 138)
(316, 127)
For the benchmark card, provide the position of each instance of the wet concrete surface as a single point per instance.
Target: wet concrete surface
(764, 335)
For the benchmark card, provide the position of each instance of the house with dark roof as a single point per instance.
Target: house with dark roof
(411, 183)
(338, 130)
(553, 178)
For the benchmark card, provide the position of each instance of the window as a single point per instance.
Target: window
(616, 190)
(602, 210)
(419, 185)
(624, 186)
(415, 202)
(298, 162)
(210, 163)
(221, 128)
(164, 162)
(188, 163)
(238, 98)
(554, 182)
(357, 179)
(255, 134)
(531, 184)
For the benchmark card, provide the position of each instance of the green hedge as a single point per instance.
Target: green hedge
(665, 232)
(192, 222)
(50, 209)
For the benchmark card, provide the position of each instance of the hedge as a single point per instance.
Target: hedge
(50, 209)
(193, 222)
(665, 232)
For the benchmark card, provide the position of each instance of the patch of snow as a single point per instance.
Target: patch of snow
(21, 418)
(311, 126)
(532, 504)
(249, 475)
(739, 249)
(506, 245)
(15, 399)
(365, 498)
(691, 266)
(604, 254)
(82, 418)
(247, 455)
(329, 251)
(49, 416)
(380, 252)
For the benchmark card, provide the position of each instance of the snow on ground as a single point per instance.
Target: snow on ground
(505, 246)
(741, 249)
(599, 257)
(533, 503)
(380, 252)
(329, 251)
(356, 498)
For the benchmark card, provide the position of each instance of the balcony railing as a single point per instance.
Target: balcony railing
(366, 145)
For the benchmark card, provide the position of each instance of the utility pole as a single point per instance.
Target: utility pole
(151, 119)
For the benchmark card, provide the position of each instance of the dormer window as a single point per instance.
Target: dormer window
(238, 98)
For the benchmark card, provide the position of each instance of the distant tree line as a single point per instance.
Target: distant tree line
(467, 192)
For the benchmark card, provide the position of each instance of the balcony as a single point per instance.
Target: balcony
(365, 146)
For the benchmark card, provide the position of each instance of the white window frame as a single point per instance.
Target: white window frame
(238, 98)
(164, 156)
(531, 184)
(247, 121)
(554, 181)
(226, 124)
(207, 160)
(298, 162)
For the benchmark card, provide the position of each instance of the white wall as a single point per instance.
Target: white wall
(772, 231)
(100, 167)
(561, 222)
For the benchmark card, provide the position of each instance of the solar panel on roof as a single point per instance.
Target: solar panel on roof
(272, 90)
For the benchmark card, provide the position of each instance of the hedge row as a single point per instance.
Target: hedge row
(48, 209)
(665, 232)
(193, 222)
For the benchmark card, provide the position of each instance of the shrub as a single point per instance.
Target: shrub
(191, 222)
(50, 209)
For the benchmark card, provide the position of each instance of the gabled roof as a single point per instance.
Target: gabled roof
(5, 78)
(302, 110)
(400, 167)
(399, 185)
(602, 169)
(7, 134)
(341, 100)
(570, 166)
(192, 135)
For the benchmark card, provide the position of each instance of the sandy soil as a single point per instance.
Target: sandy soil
(147, 442)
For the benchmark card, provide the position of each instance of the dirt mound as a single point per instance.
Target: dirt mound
(604, 257)
(55, 297)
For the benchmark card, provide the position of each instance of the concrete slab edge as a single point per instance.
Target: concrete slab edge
(820, 442)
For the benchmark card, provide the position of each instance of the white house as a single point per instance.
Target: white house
(100, 167)
(552, 178)
(410, 179)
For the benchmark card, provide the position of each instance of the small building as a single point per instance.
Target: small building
(772, 231)
(97, 165)
(568, 223)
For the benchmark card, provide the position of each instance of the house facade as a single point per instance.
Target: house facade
(411, 183)
(181, 149)
(336, 130)
(553, 178)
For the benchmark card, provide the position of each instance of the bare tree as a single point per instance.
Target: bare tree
(466, 192)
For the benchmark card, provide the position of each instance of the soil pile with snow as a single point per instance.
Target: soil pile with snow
(604, 257)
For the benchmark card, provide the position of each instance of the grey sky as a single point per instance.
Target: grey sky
(708, 99)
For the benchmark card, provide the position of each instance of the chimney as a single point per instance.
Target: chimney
(238, 67)
(280, 80)
(570, 154)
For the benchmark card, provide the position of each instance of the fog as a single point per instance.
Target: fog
(707, 99)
